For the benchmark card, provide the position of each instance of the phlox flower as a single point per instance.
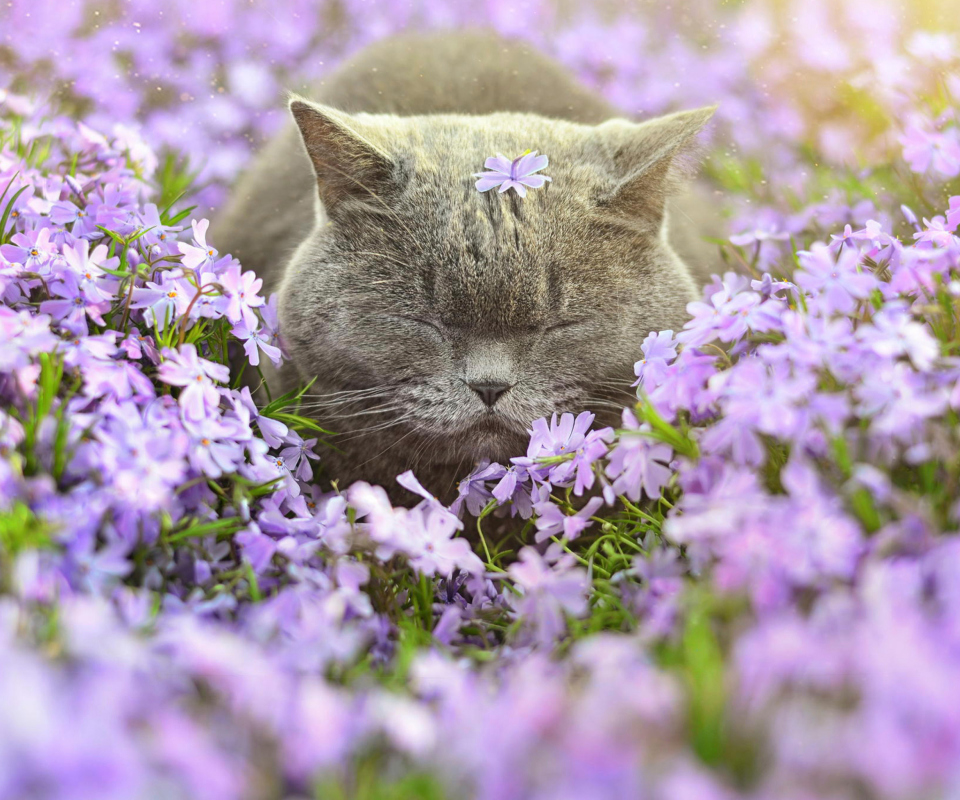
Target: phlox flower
(409, 482)
(893, 332)
(84, 224)
(196, 375)
(768, 287)
(136, 346)
(98, 286)
(919, 269)
(847, 238)
(24, 336)
(924, 149)
(198, 255)
(255, 341)
(557, 438)
(432, 548)
(936, 231)
(515, 487)
(273, 431)
(381, 522)
(473, 492)
(683, 384)
(768, 237)
(729, 312)
(258, 548)
(267, 467)
(163, 302)
(80, 351)
(517, 174)
(115, 212)
(162, 239)
(116, 380)
(140, 461)
(547, 592)
(879, 245)
(578, 467)
(215, 446)
(659, 348)
(32, 249)
(637, 462)
(298, 455)
(72, 310)
(240, 292)
(839, 283)
(271, 325)
(552, 521)
(898, 400)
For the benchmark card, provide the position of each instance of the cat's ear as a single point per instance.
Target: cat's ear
(651, 161)
(348, 165)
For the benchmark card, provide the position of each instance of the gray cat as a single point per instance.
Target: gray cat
(439, 320)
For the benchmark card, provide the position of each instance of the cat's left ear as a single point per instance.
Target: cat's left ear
(348, 164)
(650, 161)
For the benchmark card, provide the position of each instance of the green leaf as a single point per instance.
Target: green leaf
(21, 529)
(222, 527)
(4, 236)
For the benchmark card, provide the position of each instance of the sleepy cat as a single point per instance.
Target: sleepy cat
(440, 321)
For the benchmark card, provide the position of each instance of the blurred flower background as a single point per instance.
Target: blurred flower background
(760, 597)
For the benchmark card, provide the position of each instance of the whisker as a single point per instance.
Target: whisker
(366, 413)
(388, 447)
(358, 433)
(344, 404)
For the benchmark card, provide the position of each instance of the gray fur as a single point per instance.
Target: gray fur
(400, 284)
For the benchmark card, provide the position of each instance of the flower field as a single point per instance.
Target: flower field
(749, 589)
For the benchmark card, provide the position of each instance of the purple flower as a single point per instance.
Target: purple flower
(82, 351)
(84, 225)
(98, 286)
(551, 521)
(164, 302)
(254, 341)
(924, 149)
(432, 548)
(557, 438)
(196, 375)
(215, 446)
(32, 249)
(472, 491)
(547, 593)
(241, 295)
(658, 349)
(937, 231)
(516, 174)
(273, 431)
(160, 238)
(579, 465)
(637, 462)
(298, 455)
(198, 255)
(839, 283)
(75, 306)
(894, 332)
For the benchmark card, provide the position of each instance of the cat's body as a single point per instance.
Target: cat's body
(440, 321)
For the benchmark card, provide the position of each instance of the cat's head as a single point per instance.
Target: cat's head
(465, 315)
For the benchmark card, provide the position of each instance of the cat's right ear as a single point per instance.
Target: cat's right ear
(348, 165)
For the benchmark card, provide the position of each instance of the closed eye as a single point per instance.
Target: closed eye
(420, 321)
(558, 326)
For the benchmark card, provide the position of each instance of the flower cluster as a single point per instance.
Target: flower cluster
(747, 589)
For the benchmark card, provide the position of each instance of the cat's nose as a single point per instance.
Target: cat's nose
(489, 392)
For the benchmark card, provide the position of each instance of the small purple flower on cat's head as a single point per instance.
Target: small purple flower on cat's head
(516, 174)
